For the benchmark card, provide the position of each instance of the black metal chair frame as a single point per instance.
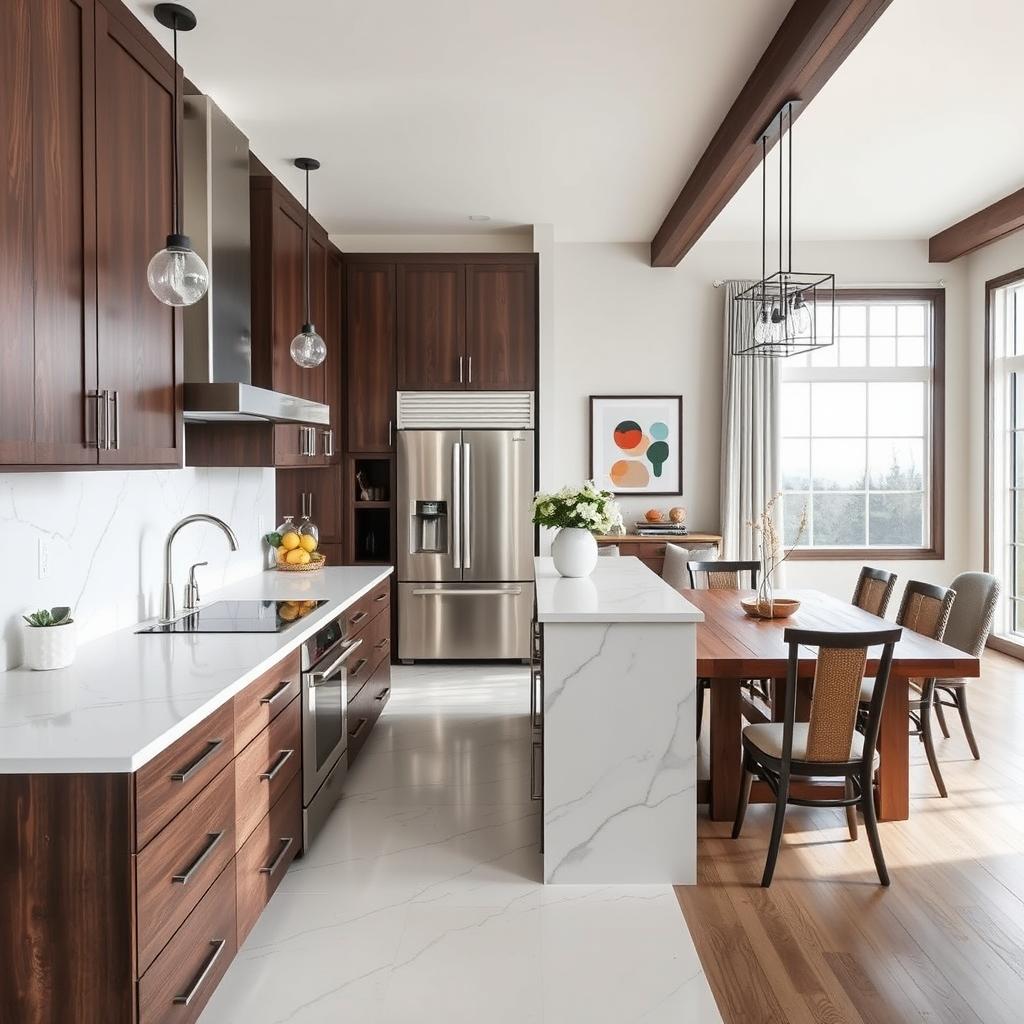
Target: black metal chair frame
(858, 774)
(751, 566)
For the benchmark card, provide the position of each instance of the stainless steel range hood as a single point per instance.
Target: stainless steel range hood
(218, 341)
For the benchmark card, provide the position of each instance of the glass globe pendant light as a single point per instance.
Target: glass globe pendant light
(177, 274)
(308, 349)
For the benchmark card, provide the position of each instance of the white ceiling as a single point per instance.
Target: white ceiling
(920, 127)
(585, 114)
(590, 114)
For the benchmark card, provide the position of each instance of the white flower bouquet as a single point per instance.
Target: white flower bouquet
(577, 508)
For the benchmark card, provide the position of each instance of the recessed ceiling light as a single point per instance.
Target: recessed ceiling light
(479, 217)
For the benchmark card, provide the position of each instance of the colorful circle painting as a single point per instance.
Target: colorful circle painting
(628, 435)
(629, 473)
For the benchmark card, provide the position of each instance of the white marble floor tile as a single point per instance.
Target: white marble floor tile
(421, 900)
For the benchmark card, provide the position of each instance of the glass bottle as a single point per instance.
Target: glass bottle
(307, 528)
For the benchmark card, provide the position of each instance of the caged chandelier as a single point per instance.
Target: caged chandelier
(786, 313)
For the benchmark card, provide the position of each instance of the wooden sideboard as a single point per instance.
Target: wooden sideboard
(651, 550)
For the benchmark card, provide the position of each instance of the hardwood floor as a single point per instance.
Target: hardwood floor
(827, 943)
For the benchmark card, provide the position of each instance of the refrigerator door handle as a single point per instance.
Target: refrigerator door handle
(466, 513)
(456, 505)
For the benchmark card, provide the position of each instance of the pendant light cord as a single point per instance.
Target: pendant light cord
(175, 168)
(764, 217)
(306, 261)
(789, 108)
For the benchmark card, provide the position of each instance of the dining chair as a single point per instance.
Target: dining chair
(715, 574)
(925, 609)
(968, 629)
(608, 550)
(874, 589)
(828, 745)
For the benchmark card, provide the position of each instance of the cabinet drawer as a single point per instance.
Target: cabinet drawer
(264, 699)
(265, 856)
(376, 641)
(179, 865)
(264, 769)
(179, 984)
(364, 711)
(177, 774)
(366, 608)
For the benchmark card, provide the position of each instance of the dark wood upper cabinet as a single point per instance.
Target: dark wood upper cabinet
(370, 348)
(501, 326)
(47, 213)
(332, 444)
(139, 352)
(431, 326)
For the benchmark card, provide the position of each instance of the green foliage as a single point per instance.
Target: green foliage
(50, 617)
(273, 539)
(582, 508)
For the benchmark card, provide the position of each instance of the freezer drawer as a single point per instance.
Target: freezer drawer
(474, 621)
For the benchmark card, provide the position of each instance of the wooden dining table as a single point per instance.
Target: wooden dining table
(733, 648)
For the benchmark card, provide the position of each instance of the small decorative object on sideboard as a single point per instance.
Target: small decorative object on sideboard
(677, 515)
(765, 605)
(49, 639)
(577, 513)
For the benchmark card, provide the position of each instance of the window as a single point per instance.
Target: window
(861, 425)
(1006, 449)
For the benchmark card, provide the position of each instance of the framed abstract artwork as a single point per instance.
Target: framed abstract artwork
(636, 443)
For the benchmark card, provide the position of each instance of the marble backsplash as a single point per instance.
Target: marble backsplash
(98, 537)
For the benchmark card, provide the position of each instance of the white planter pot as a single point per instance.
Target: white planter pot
(49, 647)
(574, 552)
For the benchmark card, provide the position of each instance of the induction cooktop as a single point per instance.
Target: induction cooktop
(239, 617)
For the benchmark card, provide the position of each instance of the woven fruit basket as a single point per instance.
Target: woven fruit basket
(316, 561)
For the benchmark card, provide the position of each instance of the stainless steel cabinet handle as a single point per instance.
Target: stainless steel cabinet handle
(381, 644)
(286, 845)
(383, 695)
(281, 690)
(212, 839)
(186, 773)
(303, 450)
(537, 698)
(467, 524)
(389, 433)
(117, 419)
(470, 369)
(353, 733)
(476, 592)
(381, 597)
(359, 666)
(278, 765)
(358, 617)
(318, 678)
(537, 771)
(98, 422)
(186, 997)
(457, 505)
(460, 370)
(328, 442)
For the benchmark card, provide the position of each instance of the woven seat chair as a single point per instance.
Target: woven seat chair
(719, 575)
(828, 745)
(874, 589)
(925, 609)
(968, 629)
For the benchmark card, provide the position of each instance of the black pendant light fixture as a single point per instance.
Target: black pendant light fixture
(307, 348)
(793, 312)
(177, 274)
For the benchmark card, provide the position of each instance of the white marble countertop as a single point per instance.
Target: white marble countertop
(128, 696)
(618, 590)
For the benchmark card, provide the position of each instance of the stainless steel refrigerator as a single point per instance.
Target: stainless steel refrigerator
(465, 543)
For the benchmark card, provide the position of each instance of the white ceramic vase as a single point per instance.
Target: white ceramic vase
(49, 647)
(574, 551)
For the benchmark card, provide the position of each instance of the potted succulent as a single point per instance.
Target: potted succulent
(577, 513)
(49, 639)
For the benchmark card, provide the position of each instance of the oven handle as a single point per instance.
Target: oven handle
(320, 677)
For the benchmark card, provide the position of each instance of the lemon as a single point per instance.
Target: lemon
(308, 542)
(288, 613)
(303, 557)
(290, 541)
(294, 557)
(282, 551)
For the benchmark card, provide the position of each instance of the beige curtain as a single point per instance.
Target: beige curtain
(751, 472)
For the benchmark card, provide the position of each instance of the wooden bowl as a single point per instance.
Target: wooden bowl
(316, 561)
(781, 608)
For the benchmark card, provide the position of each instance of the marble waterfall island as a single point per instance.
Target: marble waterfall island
(617, 674)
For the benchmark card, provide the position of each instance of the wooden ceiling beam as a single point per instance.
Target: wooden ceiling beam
(814, 39)
(988, 225)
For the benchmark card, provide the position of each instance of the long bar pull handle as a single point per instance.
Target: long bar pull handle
(470, 369)
(467, 523)
(286, 845)
(469, 592)
(98, 396)
(186, 773)
(281, 690)
(212, 839)
(186, 997)
(460, 370)
(117, 419)
(537, 770)
(328, 442)
(349, 648)
(390, 425)
(457, 505)
(278, 765)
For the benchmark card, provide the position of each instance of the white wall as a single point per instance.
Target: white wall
(621, 327)
(104, 533)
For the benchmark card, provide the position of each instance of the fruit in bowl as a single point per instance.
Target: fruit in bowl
(294, 549)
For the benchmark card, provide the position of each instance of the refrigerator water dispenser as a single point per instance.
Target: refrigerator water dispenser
(429, 527)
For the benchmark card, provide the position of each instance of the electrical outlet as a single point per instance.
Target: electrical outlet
(44, 558)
